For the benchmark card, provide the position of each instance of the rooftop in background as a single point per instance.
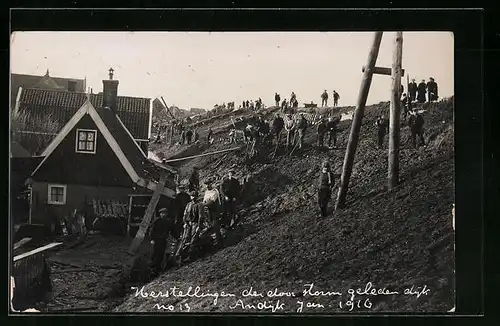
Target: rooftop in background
(43, 82)
(62, 105)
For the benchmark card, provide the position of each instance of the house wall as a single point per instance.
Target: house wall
(65, 166)
(76, 197)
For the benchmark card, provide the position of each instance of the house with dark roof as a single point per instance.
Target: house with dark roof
(44, 82)
(94, 156)
(60, 106)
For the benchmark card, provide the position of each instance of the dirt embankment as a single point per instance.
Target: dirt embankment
(393, 239)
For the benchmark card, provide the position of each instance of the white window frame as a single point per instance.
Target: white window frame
(77, 139)
(49, 199)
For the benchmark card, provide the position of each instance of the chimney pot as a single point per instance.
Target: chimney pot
(110, 91)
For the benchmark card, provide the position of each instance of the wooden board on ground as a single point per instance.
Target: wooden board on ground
(141, 233)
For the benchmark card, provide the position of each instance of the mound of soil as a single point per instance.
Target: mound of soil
(395, 240)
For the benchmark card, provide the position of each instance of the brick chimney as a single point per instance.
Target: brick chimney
(110, 91)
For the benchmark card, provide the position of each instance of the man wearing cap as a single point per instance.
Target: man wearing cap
(161, 228)
(326, 183)
(412, 90)
(421, 90)
(382, 128)
(416, 124)
(193, 222)
(432, 89)
(230, 189)
(331, 128)
(301, 129)
(321, 133)
(212, 203)
(336, 98)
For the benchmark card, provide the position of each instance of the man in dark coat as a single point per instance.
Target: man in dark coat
(421, 90)
(326, 183)
(336, 98)
(432, 89)
(382, 128)
(324, 98)
(301, 129)
(277, 99)
(230, 190)
(412, 90)
(416, 124)
(189, 135)
(321, 132)
(161, 228)
(194, 180)
(331, 129)
(278, 124)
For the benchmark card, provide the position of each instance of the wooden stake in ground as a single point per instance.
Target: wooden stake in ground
(394, 122)
(356, 123)
(141, 233)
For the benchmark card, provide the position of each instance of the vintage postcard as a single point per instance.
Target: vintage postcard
(229, 172)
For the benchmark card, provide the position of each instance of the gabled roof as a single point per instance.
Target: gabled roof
(62, 105)
(28, 81)
(142, 171)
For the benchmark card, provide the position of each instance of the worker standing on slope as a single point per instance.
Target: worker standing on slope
(162, 227)
(321, 133)
(421, 89)
(189, 135)
(230, 189)
(412, 90)
(180, 202)
(432, 89)
(277, 99)
(301, 129)
(382, 128)
(324, 99)
(212, 203)
(326, 183)
(209, 136)
(336, 98)
(290, 130)
(278, 125)
(416, 124)
(331, 128)
(194, 180)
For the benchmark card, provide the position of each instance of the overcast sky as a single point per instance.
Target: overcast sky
(203, 69)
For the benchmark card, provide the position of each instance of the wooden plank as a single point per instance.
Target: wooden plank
(37, 250)
(141, 233)
(21, 243)
(383, 71)
(201, 155)
(395, 116)
(357, 120)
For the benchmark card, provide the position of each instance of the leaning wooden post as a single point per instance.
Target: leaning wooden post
(394, 122)
(356, 122)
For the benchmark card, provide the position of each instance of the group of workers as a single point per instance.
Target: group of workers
(324, 98)
(192, 216)
(286, 105)
(415, 122)
(418, 92)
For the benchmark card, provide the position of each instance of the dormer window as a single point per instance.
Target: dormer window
(86, 141)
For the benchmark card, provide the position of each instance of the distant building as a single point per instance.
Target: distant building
(60, 105)
(94, 157)
(44, 82)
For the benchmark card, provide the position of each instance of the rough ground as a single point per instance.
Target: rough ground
(392, 239)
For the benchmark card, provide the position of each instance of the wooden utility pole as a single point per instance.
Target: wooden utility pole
(395, 116)
(141, 233)
(356, 123)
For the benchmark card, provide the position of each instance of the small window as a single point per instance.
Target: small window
(86, 141)
(57, 195)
